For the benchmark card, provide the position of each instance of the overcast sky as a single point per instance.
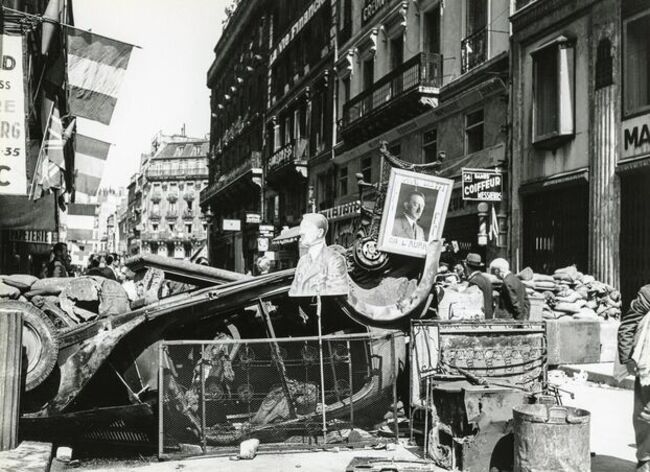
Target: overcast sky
(165, 84)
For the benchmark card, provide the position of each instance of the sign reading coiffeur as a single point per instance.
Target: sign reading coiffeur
(484, 185)
(13, 179)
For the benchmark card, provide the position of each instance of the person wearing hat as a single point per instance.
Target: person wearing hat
(474, 265)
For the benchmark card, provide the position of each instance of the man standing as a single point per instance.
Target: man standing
(322, 270)
(58, 266)
(406, 225)
(513, 299)
(475, 264)
(627, 337)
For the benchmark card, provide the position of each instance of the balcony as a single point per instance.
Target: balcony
(154, 215)
(473, 50)
(399, 96)
(177, 173)
(188, 214)
(289, 159)
(171, 215)
(247, 173)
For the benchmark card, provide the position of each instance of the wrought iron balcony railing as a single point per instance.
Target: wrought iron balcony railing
(473, 50)
(293, 151)
(177, 173)
(422, 70)
(254, 161)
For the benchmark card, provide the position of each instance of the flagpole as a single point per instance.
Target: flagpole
(47, 20)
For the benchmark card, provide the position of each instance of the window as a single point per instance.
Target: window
(395, 149)
(343, 181)
(637, 63)
(154, 227)
(171, 227)
(368, 72)
(155, 209)
(396, 51)
(553, 92)
(205, 226)
(432, 30)
(366, 169)
(476, 15)
(430, 145)
(474, 131)
(188, 228)
(346, 89)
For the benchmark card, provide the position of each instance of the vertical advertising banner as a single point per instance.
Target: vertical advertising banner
(13, 179)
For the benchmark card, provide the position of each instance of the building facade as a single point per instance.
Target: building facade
(238, 82)
(430, 79)
(171, 220)
(575, 184)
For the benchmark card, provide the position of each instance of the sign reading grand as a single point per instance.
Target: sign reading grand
(485, 185)
(13, 179)
(370, 9)
(636, 136)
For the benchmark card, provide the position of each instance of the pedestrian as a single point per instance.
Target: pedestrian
(58, 266)
(633, 338)
(513, 299)
(475, 264)
(93, 266)
(107, 267)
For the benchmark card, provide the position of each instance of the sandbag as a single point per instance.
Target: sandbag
(527, 274)
(50, 286)
(23, 282)
(82, 289)
(543, 278)
(567, 307)
(462, 302)
(7, 291)
(585, 314)
(113, 299)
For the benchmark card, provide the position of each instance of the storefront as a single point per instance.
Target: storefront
(25, 251)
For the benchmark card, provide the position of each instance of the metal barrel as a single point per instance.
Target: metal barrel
(551, 438)
(11, 335)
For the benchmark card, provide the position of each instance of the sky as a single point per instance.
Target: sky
(165, 83)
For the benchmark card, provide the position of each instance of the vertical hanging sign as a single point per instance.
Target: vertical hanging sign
(13, 179)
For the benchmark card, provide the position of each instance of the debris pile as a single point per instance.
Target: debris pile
(570, 294)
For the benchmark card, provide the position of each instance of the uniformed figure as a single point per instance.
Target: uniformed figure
(322, 270)
(406, 224)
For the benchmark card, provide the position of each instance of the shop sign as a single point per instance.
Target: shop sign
(270, 255)
(231, 225)
(267, 228)
(253, 218)
(370, 9)
(484, 185)
(262, 244)
(13, 179)
(636, 136)
(343, 211)
(31, 236)
(295, 29)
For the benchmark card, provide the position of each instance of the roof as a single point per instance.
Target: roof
(187, 149)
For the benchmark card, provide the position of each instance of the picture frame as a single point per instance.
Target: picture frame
(414, 212)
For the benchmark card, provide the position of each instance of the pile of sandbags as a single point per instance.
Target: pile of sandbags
(67, 301)
(570, 294)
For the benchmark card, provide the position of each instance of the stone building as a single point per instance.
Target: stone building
(172, 177)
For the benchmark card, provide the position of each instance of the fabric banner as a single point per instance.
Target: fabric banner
(13, 155)
(96, 68)
(19, 212)
(90, 157)
(80, 221)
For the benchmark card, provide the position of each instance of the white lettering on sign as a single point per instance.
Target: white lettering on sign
(370, 8)
(636, 136)
(295, 29)
(482, 185)
(13, 179)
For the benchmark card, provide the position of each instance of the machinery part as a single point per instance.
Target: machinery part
(367, 256)
(40, 339)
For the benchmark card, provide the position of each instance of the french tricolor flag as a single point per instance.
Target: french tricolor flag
(96, 69)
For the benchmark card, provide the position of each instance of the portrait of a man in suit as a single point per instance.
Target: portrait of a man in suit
(406, 222)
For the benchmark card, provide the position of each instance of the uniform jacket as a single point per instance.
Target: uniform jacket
(482, 282)
(326, 274)
(627, 331)
(57, 268)
(403, 229)
(513, 298)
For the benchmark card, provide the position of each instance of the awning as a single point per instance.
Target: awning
(19, 212)
(576, 177)
(289, 236)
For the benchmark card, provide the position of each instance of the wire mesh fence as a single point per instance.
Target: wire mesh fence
(215, 394)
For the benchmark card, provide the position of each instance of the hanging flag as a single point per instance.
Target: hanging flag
(96, 68)
(49, 172)
(80, 221)
(90, 157)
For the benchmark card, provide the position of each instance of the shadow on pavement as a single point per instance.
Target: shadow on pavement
(611, 464)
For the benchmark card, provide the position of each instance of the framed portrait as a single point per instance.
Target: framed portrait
(414, 212)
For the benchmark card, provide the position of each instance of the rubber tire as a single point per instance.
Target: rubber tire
(41, 340)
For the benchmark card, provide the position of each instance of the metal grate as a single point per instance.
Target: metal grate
(215, 394)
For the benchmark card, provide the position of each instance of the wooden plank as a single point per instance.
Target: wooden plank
(11, 338)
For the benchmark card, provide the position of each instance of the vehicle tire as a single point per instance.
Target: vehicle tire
(40, 339)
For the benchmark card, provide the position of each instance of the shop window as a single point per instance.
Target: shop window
(343, 181)
(430, 145)
(474, 132)
(553, 92)
(366, 169)
(637, 63)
